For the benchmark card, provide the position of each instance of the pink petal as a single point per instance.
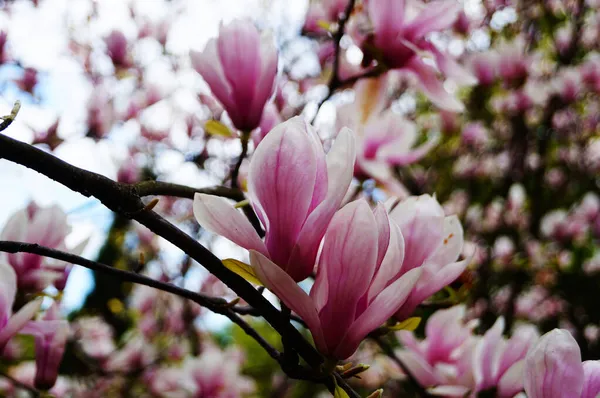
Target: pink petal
(431, 281)
(207, 63)
(421, 220)
(267, 79)
(349, 253)
(591, 382)
(391, 264)
(238, 46)
(523, 338)
(452, 244)
(486, 355)
(281, 181)
(8, 290)
(380, 310)
(432, 86)
(419, 368)
(50, 343)
(452, 69)
(445, 331)
(412, 156)
(340, 163)
(218, 216)
(18, 321)
(553, 367)
(434, 17)
(284, 287)
(387, 17)
(511, 381)
(449, 391)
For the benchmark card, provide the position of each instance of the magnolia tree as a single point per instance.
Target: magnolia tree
(381, 198)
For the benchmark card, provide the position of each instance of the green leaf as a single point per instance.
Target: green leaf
(339, 391)
(214, 127)
(409, 324)
(242, 269)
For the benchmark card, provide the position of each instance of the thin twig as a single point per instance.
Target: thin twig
(387, 350)
(236, 169)
(146, 188)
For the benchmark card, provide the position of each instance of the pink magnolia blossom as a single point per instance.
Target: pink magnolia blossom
(433, 243)
(452, 361)
(360, 281)
(442, 361)
(553, 369)
(50, 341)
(217, 374)
(240, 67)
(12, 324)
(116, 47)
(384, 138)
(46, 226)
(400, 28)
(294, 189)
(498, 362)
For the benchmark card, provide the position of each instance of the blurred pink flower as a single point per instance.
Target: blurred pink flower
(294, 188)
(11, 324)
(361, 280)
(384, 139)
(443, 360)
(116, 47)
(400, 28)
(240, 67)
(50, 335)
(498, 362)
(46, 226)
(553, 369)
(217, 374)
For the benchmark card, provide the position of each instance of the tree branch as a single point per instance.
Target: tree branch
(146, 188)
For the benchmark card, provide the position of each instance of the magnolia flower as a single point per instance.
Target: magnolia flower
(294, 189)
(400, 28)
(442, 361)
(499, 362)
(384, 138)
(358, 285)
(240, 67)
(433, 243)
(50, 341)
(116, 47)
(451, 361)
(46, 226)
(11, 325)
(553, 369)
(217, 374)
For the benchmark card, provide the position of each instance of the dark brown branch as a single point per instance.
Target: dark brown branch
(215, 304)
(236, 169)
(146, 188)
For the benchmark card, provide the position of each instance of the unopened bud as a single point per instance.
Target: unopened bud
(376, 394)
(355, 371)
